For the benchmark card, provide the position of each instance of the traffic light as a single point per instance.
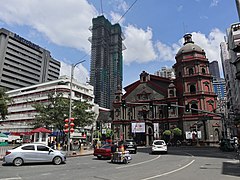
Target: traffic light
(187, 109)
(123, 103)
(98, 125)
(169, 105)
(151, 105)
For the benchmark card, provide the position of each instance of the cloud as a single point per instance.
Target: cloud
(180, 8)
(166, 52)
(139, 45)
(210, 44)
(68, 27)
(214, 3)
(80, 73)
(116, 18)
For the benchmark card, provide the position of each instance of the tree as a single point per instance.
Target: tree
(56, 109)
(52, 113)
(177, 132)
(4, 100)
(82, 113)
(167, 135)
(177, 135)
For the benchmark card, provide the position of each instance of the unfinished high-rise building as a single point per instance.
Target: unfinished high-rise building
(106, 74)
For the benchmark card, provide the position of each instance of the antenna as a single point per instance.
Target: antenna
(101, 7)
(184, 28)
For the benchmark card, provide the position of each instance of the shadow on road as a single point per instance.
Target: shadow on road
(231, 168)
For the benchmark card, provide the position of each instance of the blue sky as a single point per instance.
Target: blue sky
(153, 29)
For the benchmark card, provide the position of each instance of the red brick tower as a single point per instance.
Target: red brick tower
(195, 89)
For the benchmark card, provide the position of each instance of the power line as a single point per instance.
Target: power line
(127, 11)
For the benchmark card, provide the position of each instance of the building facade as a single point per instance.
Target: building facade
(106, 72)
(219, 86)
(21, 112)
(229, 57)
(155, 104)
(165, 72)
(214, 69)
(23, 63)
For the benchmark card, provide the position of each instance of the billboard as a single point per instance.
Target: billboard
(193, 134)
(138, 127)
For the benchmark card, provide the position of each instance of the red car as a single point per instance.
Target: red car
(103, 152)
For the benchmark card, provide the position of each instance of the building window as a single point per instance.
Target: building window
(203, 71)
(192, 89)
(194, 106)
(171, 93)
(190, 71)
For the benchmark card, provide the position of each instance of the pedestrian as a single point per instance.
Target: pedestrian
(114, 148)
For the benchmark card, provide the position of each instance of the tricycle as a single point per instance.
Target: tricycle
(121, 157)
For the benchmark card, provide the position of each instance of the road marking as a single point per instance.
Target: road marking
(120, 167)
(12, 178)
(170, 172)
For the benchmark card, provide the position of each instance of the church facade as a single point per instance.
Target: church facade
(155, 104)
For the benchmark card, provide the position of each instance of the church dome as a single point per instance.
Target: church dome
(189, 46)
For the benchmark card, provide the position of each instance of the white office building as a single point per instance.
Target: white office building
(21, 112)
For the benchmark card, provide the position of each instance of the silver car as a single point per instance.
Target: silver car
(32, 153)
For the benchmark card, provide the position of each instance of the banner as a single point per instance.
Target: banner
(138, 127)
(156, 130)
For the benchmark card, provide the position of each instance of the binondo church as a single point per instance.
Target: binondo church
(154, 104)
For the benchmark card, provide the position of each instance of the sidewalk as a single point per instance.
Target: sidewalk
(82, 152)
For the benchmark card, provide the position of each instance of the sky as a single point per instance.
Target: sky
(153, 29)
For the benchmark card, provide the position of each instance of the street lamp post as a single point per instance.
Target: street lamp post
(70, 104)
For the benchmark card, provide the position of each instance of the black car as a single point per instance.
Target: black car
(130, 145)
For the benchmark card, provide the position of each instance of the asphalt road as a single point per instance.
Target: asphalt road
(180, 163)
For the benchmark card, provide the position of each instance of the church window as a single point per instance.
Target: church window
(203, 71)
(194, 106)
(171, 93)
(190, 71)
(192, 89)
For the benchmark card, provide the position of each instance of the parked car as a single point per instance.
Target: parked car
(103, 152)
(159, 146)
(130, 145)
(33, 153)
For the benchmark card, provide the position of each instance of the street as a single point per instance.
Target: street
(196, 163)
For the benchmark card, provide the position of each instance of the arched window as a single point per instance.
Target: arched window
(203, 71)
(194, 106)
(192, 89)
(190, 71)
(171, 93)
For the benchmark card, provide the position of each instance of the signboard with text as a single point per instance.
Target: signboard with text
(138, 127)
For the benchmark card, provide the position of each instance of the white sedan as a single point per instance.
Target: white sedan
(159, 146)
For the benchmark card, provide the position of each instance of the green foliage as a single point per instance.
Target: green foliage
(56, 109)
(109, 133)
(177, 132)
(52, 113)
(82, 113)
(4, 100)
(167, 133)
